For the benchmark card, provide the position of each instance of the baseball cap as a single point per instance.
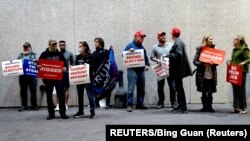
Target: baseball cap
(51, 41)
(140, 33)
(26, 45)
(161, 33)
(176, 31)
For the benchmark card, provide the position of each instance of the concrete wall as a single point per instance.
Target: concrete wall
(116, 21)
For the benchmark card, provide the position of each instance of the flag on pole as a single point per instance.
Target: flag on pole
(106, 75)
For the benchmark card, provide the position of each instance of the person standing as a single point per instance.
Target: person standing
(70, 59)
(179, 69)
(52, 53)
(206, 76)
(85, 58)
(240, 56)
(136, 76)
(160, 50)
(98, 57)
(26, 81)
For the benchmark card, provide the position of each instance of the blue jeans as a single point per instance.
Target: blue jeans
(80, 91)
(135, 79)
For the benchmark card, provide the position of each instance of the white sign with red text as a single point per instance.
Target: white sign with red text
(79, 74)
(134, 59)
(12, 68)
(162, 69)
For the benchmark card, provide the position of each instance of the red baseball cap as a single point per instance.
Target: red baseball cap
(140, 33)
(161, 33)
(176, 31)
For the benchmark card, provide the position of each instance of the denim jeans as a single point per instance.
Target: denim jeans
(135, 79)
(80, 91)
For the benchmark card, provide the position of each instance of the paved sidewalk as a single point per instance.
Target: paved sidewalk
(33, 126)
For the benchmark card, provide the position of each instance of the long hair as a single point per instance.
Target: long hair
(204, 40)
(100, 41)
(85, 44)
(241, 38)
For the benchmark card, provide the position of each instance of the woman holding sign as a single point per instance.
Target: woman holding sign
(84, 58)
(206, 76)
(240, 56)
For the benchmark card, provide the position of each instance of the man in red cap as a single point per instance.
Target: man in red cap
(179, 69)
(159, 51)
(136, 76)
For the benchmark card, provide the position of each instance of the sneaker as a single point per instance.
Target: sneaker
(143, 107)
(66, 107)
(64, 116)
(22, 109)
(243, 112)
(78, 114)
(129, 109)
(180, 111)
(57, 107)
(49, 117)
(92, 116)
(159, 106)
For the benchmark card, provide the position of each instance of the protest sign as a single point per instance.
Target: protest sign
(50, 69)
(134, 59)
(234, 74)
(79, 74)
(12, 68)
(209, 55)
(29, 67)
(162, 69)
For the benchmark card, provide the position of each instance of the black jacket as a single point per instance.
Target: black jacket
(98, 57)
(199, 77)
(57, 56)
(179, 63)
(80, 60)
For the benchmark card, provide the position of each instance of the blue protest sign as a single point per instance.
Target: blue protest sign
(29, 67)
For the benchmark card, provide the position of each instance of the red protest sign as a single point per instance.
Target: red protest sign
(209, 55)
(50, 69)
(234, 74)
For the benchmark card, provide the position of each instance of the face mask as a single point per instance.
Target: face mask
(80, 50)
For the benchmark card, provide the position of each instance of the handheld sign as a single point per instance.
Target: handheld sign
(50, 69)
(162, 69)
(12, 68)
(134, 59)
(79, 74)
(29, 67)
(210, 54)
(234, 74)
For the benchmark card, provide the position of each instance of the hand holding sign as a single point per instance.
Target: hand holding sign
(50, 69)
(211, 55)
(133, 58)
(12, 68)
(234, 74)
(79, 74)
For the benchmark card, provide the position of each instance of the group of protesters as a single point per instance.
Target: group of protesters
(206, 74)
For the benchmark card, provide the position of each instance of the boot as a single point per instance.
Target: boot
(204, 101)
(210, 101)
